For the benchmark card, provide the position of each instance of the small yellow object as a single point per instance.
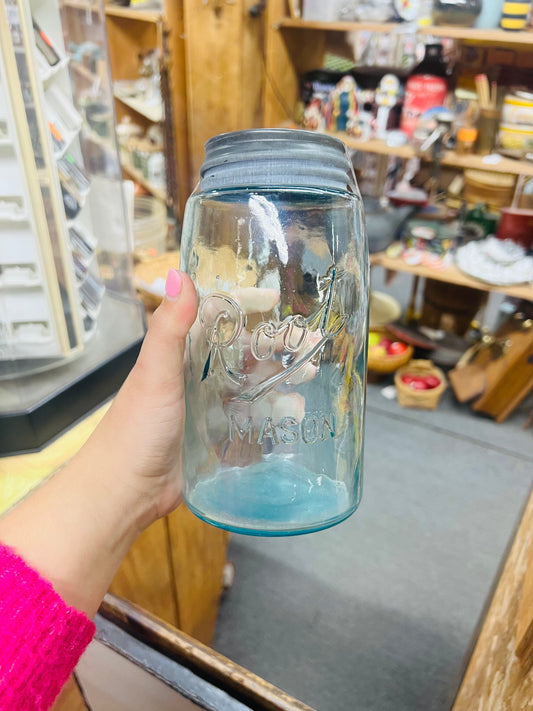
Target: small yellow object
(516, 8)
(394, 250)
(373, 339)
(511, 23)
(378, 351)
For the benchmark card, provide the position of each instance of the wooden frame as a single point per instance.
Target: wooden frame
(173, 664)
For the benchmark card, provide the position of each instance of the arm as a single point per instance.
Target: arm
(75, 529)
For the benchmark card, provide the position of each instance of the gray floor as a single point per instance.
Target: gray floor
(377, 614)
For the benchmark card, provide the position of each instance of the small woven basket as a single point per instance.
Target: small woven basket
(386, 364)
(423, 399)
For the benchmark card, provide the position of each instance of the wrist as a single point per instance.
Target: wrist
(122, 509)
(119, 493)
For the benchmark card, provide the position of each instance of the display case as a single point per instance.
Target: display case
(70, 325)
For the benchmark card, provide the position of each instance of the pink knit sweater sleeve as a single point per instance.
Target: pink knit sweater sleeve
(41, 637)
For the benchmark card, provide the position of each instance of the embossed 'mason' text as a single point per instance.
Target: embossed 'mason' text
(313, 428)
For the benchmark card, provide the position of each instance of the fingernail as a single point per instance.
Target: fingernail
(173, 284)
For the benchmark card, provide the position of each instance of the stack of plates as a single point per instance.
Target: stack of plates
(495, 261)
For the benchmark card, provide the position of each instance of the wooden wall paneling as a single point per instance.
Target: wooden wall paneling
(145, 575)
(213, 37)
(224, 68)
(495, 678)
(198, 559)
(175, 29)
(252, 66)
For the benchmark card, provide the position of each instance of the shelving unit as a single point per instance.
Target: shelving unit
(134, 32)
(213, 65)
(296, 46)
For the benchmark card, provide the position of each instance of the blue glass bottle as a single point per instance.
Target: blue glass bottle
(276, 361)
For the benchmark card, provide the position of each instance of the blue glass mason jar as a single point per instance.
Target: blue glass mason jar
(275, 370)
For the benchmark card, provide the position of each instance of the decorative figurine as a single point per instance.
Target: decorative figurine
(343, 103)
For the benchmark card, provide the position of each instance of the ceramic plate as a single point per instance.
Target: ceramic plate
(475, 260)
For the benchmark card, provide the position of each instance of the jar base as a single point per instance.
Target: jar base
(270, 533)
(270, 499)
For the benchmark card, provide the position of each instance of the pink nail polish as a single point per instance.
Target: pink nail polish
(173, 284)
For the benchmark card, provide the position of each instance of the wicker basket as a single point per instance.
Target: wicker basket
(387, 364)
(423, 399)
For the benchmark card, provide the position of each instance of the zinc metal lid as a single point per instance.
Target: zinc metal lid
(275, 157)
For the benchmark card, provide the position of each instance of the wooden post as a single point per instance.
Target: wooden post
(524, 623)
(224, 67)
(496, 679)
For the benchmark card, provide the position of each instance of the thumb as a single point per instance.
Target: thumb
(161, 356)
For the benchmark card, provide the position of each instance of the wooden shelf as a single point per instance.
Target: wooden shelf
(473, 34)
(153, 112)
(505, 165)
(139, 178)
(450, 158)
(129, 13)
(450, 275)
(374, 145)
(338, 26)
(502, 37)
(85, 5)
